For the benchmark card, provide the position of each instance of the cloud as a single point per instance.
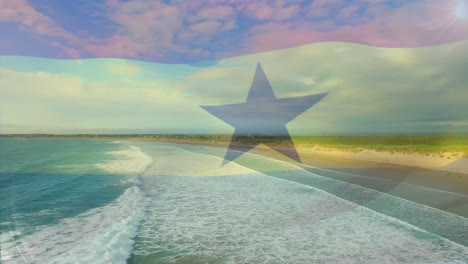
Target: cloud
(30, 20)
(71, 101)
(270, 10)
(115, 47)
(197, 30)
(415, 24)
(20, 11)
(371, 90)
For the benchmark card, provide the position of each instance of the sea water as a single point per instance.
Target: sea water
(278, 217)
(64, 199)
(100, 201)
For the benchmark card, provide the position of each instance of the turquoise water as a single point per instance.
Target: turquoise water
(43, 181)
(99, 201)
(46, 182)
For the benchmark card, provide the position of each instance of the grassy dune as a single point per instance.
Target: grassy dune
(398, 143)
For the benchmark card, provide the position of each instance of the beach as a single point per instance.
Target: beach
(271, 215)
(454, 161)
(175, 203)
(444, 171)
(398, 180)
(448, 156)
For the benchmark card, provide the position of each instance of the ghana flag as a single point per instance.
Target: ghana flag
(340, 128)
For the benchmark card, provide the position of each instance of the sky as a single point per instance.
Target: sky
(175, 31)
(135, 66)
(371, 91)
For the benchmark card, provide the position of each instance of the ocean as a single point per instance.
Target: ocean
(105, 201)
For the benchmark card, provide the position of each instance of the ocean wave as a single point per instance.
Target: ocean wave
(100, 235)
(174, 160)
(127, 161)
(256, 218)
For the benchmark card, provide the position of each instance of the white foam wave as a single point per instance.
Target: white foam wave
(127, 161)
(255, 218)
(182, 162)
(259, 219)
(100, 235)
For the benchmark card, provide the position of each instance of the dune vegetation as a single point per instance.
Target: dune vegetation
(426, 144)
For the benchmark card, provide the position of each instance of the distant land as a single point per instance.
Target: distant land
(440, 152)
(396, 143)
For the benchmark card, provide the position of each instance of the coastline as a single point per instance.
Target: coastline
(451, 178)
(376, 175)
(453, 162)
(444, 161)
(409, 183)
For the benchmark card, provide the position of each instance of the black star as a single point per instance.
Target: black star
(262, 113)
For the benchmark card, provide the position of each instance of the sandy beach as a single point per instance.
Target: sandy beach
(391, 174)
(454, 162)
(445, 161)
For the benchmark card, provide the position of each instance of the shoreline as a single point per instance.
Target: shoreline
(356, 171)
(451, 162)
(410, 183)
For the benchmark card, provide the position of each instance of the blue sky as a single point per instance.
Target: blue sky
(198, 30)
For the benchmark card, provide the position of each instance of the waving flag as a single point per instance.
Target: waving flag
(339, 127)
(195, 31)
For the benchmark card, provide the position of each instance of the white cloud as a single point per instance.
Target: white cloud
(370, 89)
